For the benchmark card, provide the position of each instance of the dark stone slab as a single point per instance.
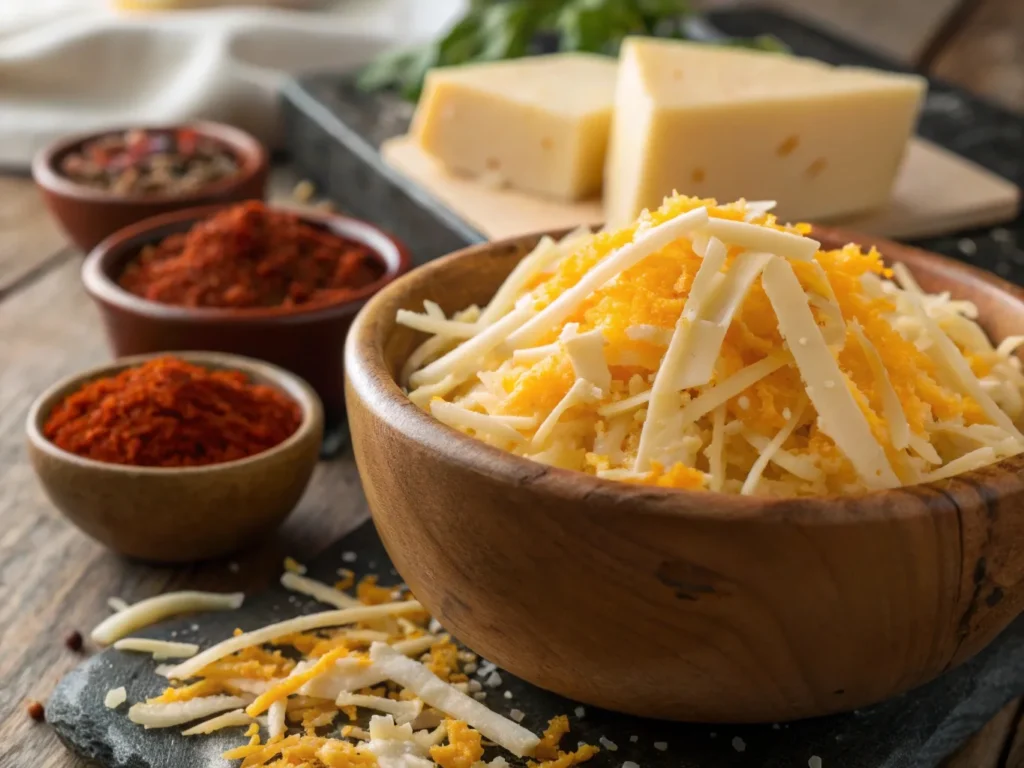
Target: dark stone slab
(915, 730)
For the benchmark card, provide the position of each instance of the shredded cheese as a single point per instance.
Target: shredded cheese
(318, 590)
(161, 650)
(115, 698)
(433, 691)
(154, 609)
(181, 712)
(402, 711)
(232, 719)
(763, 239)
(298, 624)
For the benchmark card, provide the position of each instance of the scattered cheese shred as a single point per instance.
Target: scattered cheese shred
(181, 712)
(232, 719)
(402, 711)
(416, 678)
(160, 649)
(115, 698)
(317, 590)
(154, 609)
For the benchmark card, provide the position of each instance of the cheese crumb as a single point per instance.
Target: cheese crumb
(115, 698)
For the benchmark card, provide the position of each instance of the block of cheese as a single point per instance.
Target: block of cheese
(538, 124)
(719, 122)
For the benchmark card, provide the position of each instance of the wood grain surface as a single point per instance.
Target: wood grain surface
(53, 579)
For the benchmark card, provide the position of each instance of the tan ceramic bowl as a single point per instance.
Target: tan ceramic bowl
(89, 215)
(178, 515)
(675, 604)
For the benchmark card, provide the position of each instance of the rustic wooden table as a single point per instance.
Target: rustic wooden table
(54, 580)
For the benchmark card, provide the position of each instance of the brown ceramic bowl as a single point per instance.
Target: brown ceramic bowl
(309, 342)
(680, 604)
(174, 515)
(89, 215)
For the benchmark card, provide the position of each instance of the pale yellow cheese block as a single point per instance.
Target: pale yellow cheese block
(720, 122)
(538, 124)
(936, 192)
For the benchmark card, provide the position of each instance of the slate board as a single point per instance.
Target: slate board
(915, 730)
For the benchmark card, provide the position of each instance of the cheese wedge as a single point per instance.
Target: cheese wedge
(538, 124)
(718, 122)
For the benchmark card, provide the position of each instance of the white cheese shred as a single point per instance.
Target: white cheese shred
(115, 698)
(170, 714)
(324, 593)
(161, 650)
(754, 476)
(154, 609)
(754, 237)
(416, 678)
(826, 385)
(290, 626)
(402, 711)
(233, 719)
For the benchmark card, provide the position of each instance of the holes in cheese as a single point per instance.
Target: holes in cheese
(435, 692)
(617, 262)
(840, 416)
(764, 239)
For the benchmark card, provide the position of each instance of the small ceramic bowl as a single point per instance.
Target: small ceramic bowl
(688, 605)
(309, 342)
(174, 515)
(89, 215)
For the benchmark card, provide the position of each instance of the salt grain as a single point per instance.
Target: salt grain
(580, 711)
(967, 247)
(634, 739)
(661, 746)
(474, 686)
(630, 764)
(608, 744)
(814, 762)
(349, 557)
(776, 727)
(739, 744)
(1001, 235)
(508, 694)
(493, 680)
(470, 668)
(372, 564)
(517, 715)
(234, 567)
(480, 695)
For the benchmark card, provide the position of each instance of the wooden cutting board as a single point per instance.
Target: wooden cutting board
(936, 192)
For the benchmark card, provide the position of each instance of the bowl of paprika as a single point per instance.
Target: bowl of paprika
(270, 283)
(176, 459)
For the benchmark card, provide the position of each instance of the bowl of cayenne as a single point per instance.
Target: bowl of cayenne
(270, 283)
(97, 183)
(708, 467)
(176, 458)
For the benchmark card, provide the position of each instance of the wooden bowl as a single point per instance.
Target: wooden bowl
(176, 515)
(89, 215)
(678, 604)
(309, 342)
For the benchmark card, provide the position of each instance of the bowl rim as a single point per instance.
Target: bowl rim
(251, 154)
(381, 395)
(101, 263)
(289, 383)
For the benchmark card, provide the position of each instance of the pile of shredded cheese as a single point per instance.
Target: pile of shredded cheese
(372, 683)
(710, 347)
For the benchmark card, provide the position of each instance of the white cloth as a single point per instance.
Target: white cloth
(74, 65)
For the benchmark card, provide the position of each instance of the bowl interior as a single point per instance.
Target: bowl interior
(258, 372)
(248, 152)
(105, 264)
(473, 275)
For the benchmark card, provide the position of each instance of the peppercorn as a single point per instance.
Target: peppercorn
(74, 641)
(36, 711)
